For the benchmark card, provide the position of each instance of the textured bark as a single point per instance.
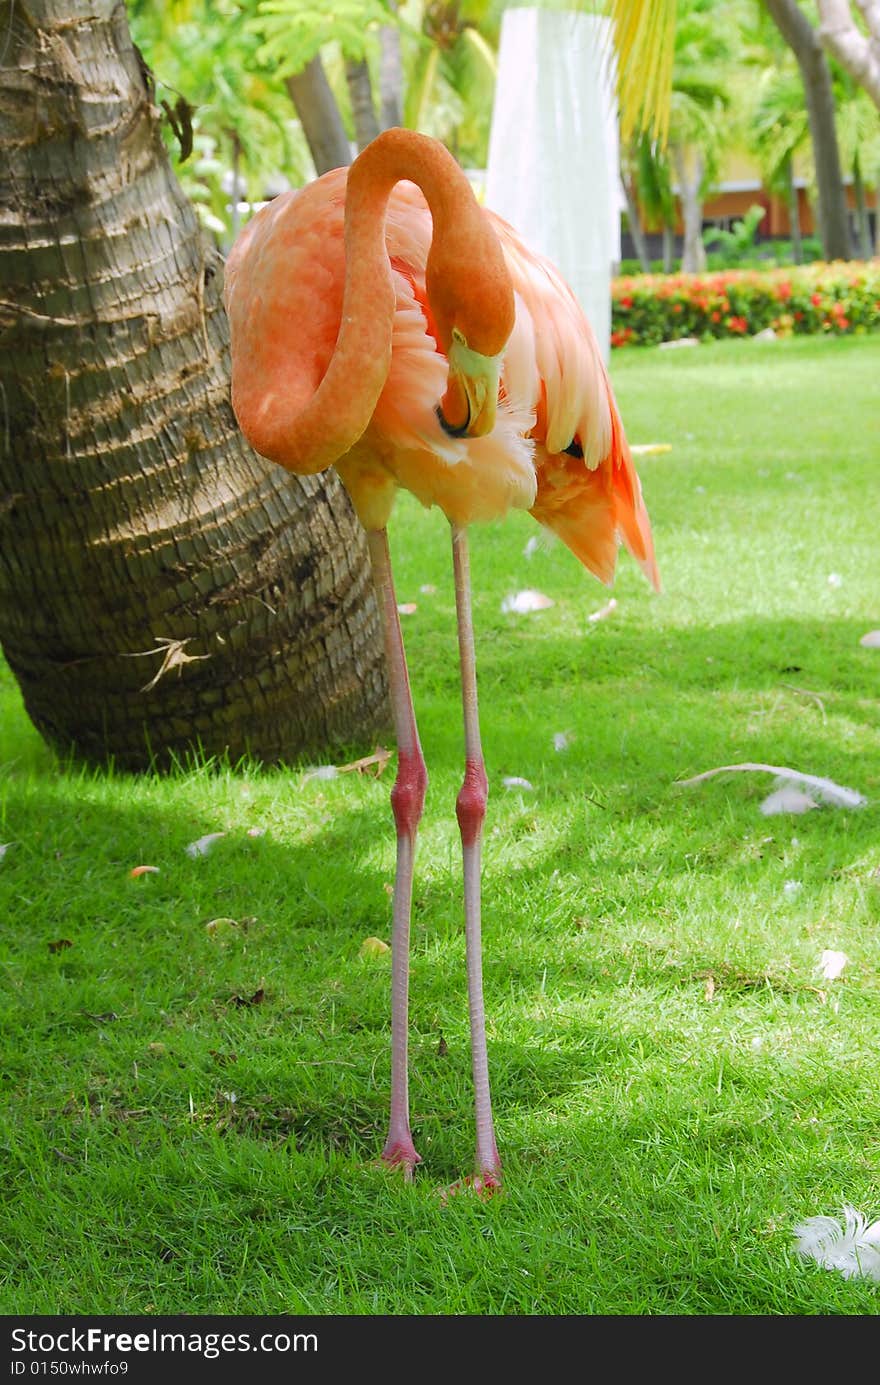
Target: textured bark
(804, 42)
(360, 93)
(133, 516)
(319, 116)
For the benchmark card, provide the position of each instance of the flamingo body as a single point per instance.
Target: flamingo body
(555, 391)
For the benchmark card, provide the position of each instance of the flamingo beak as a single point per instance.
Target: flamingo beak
(468, 407)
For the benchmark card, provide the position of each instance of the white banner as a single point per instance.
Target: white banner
(553, 153)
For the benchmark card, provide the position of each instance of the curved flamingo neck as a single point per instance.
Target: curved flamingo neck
(462, 243)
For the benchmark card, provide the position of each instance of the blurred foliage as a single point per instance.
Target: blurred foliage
(221, 65)
(203, 53)
(737, 244)
(293, 32)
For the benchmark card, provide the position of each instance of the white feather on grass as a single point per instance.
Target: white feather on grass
(818, 788)
(524, 602)
(788, 799)
(831, 963)
(203, 845)
(853, 1249)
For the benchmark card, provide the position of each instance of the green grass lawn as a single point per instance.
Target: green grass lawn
(675, 1084)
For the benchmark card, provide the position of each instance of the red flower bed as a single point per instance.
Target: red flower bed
(840, 298)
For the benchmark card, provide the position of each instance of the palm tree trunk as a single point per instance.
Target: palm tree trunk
(360, 92)
(635, 224)
(238, 192)
(390, 75)
(690, 176)
(794, 212)
(857, 52)
(804, 42)
(668, 247)
(319, 116)
(862, 219)
(160, 584)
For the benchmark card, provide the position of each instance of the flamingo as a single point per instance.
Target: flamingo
(384, 323)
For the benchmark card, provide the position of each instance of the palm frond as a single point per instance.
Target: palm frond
(644, 38)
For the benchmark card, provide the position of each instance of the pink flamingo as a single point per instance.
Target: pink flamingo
(385, 324)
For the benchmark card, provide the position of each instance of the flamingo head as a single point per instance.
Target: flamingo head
(468, 406)
(475, 313)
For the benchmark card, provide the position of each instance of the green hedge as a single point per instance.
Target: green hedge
(842, 298)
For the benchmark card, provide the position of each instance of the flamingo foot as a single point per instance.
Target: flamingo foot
(482, 1185)
(401, 1154)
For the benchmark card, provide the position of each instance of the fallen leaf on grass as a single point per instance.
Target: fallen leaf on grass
(515, 781)
(813, 787)
(245, 1002)
(406, 608)
(220, 929)
(831, 963)
(853, 1249)
(4, 847)
(524, 602)
(143, 870)
(710, 986)
(650, 449)
(60, 944)
(871, 640)
(368, 764)
(373, 947)
(562, 740)
(374, 763)
(203, 845)
(427, 589)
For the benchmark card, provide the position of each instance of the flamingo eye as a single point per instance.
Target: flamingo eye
(574, 449)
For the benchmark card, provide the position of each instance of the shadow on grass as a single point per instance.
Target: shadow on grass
(143, 984)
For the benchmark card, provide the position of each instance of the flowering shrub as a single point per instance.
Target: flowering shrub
(839, 298)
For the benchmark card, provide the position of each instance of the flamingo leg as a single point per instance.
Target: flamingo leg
(471, 810)
(407, 800)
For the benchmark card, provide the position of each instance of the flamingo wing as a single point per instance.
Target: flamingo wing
(588, 491)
